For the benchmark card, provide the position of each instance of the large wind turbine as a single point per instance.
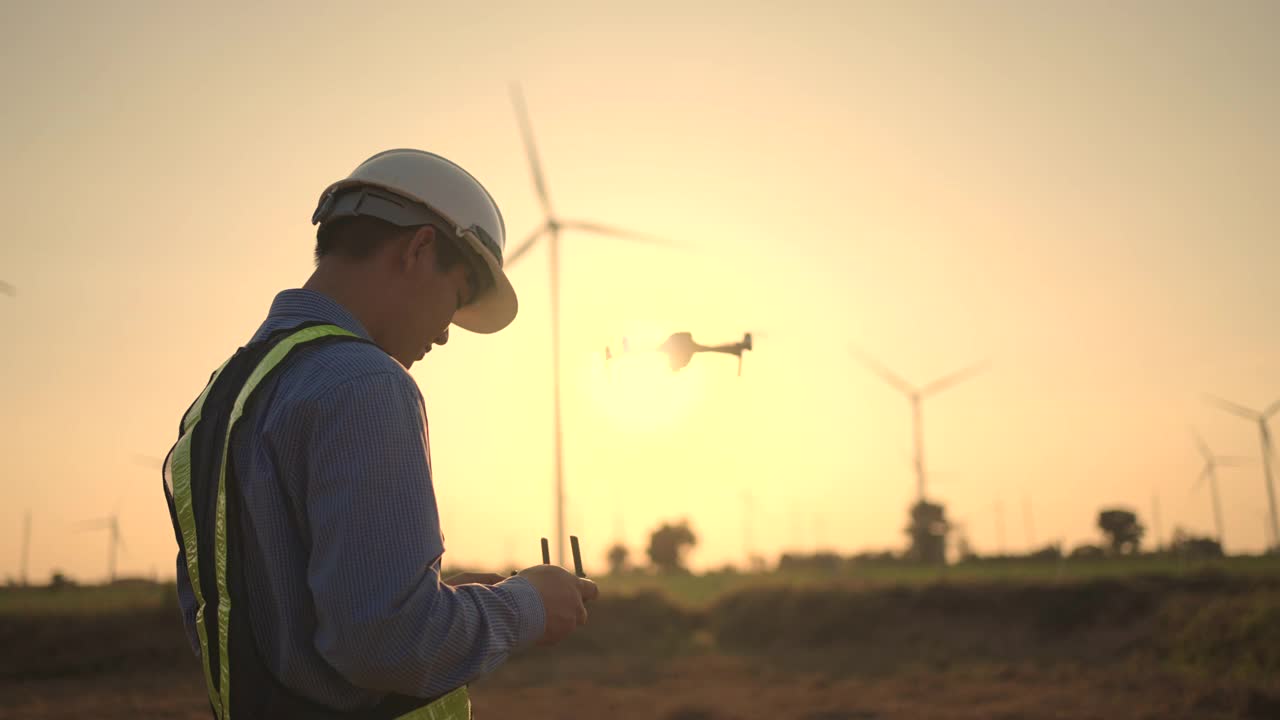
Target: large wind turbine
(1268, 451)
(115, 543)
(550, 229)
(916, 395)
(1210, 475)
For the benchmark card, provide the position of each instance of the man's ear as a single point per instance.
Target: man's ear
(416, 250)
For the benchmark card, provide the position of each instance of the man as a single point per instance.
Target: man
(300, 489)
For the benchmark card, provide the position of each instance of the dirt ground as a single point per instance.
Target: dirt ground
(708, 687)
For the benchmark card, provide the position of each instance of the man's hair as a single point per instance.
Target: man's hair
(354, 238)
(358, 238)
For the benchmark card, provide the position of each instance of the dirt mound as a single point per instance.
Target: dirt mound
(645, 623)
(45, 646)
(1208, 622)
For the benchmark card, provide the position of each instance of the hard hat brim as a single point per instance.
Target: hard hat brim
(497, 306)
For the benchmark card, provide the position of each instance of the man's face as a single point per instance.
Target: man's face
(429, 298)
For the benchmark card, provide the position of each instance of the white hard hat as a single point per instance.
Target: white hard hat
(414, 187)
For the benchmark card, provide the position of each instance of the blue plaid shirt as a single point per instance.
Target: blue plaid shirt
(347, 603)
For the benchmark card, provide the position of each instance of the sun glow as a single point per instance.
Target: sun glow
(637, 390)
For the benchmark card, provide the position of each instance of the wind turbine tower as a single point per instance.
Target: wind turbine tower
(916, 396)
(1268, 451)
(551, 229)
(115, 543)
(1209, 474)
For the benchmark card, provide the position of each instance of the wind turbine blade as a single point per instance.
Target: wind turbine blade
(954, 378)
(874, 366)
(1232, 461)
(524, 246)
(1232, 408)
(1272, 409)
(95, 524)
(617, 232)
(526, 130)
(1204, 475)
(1200, 443)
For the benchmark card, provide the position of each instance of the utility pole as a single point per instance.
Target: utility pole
(1155, 515)
(26, 546)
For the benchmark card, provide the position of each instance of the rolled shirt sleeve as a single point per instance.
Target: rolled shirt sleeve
(385, 621)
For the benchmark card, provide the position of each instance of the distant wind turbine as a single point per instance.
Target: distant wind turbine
(551, 228)
(1209, 474)
(1268, 452)
(916, 395)
(115, 543)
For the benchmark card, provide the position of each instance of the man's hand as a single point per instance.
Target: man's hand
(474, 578)
(564, 597)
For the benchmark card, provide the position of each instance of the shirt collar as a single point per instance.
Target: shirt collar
(291, 307)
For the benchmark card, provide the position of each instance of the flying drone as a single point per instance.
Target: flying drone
(681, 347)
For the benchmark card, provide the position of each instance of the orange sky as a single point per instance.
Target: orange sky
(1084, 194)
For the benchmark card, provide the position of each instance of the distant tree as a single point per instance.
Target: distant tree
(1186, 545)
(59, 581)
(1124, 533)
(871, 557)
(1052, 551)
(927, 533)
(1087, 552)
(817, 562)
(668, 544)
(618, 555)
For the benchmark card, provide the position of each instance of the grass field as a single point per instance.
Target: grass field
(1143, 639)
(77, 599)
(700, 590)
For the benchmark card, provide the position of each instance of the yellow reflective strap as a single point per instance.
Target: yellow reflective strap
(180, 472)
(455, 705)
(193, 415)
(273, 358)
